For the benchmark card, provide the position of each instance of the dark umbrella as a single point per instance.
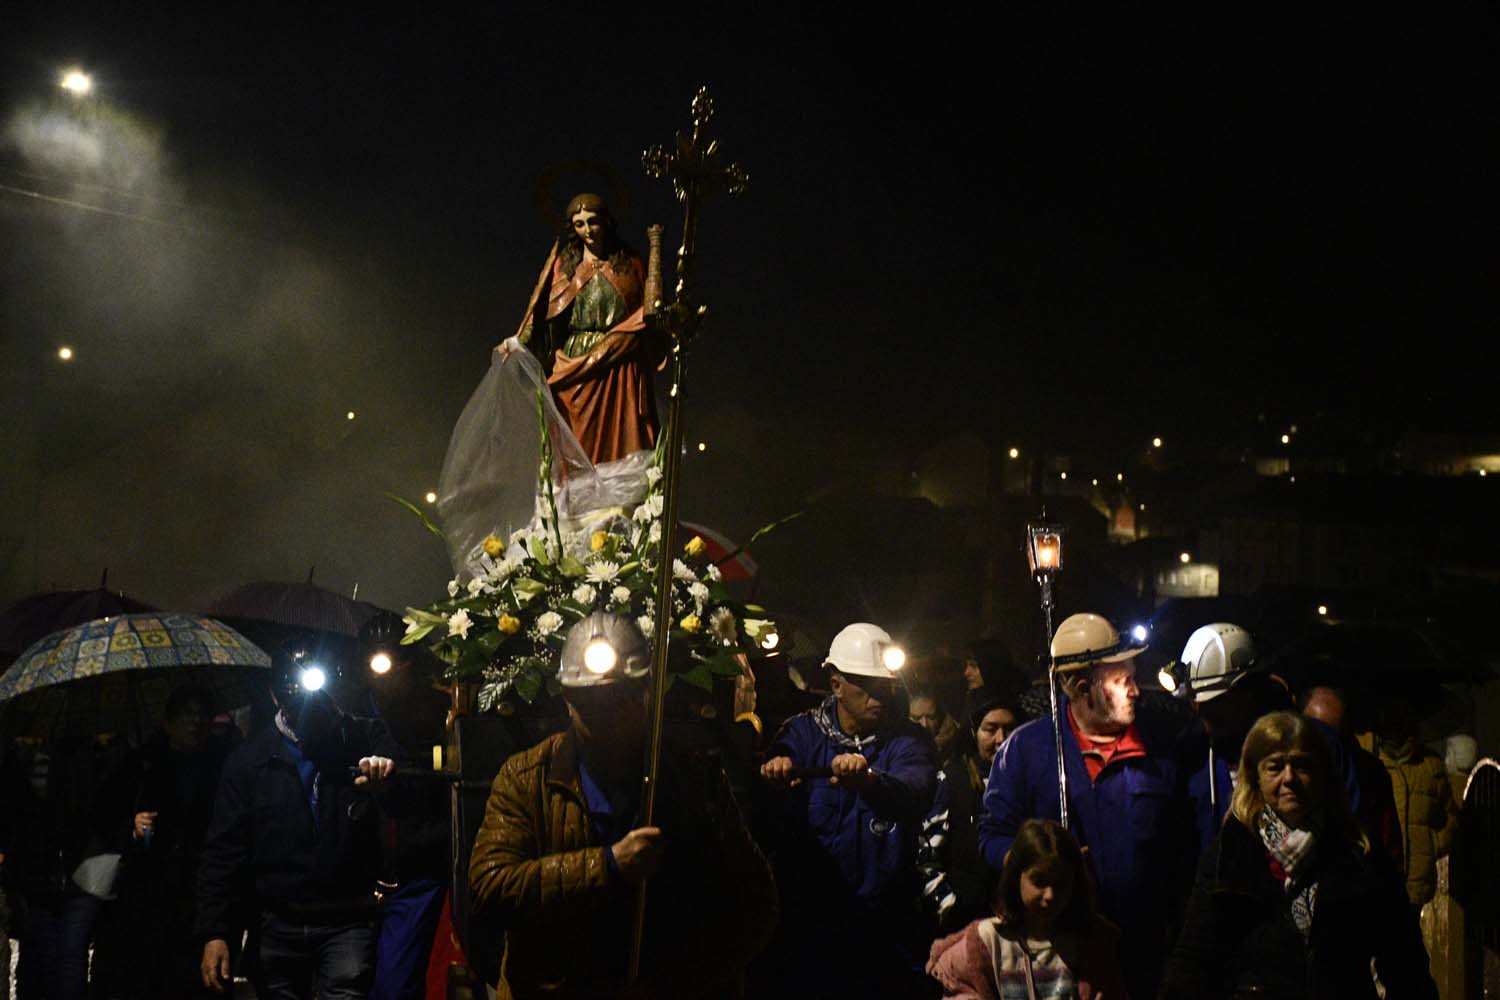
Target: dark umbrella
(298, 605)
(31, 618)
(115, 674)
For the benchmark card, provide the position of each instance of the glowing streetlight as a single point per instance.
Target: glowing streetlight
(1286, 439)
(1094, 482)
(65, 353)
(1323, 610)
(1184, 558)
(1156, 442)
(431, 497)
(1062, 475)
(1015, 453)
(1119, 477)
(77, 82)
(349, 415)
(702, 445)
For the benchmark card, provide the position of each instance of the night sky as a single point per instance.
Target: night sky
(965, 230)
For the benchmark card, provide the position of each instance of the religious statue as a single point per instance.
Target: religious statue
(587, 326)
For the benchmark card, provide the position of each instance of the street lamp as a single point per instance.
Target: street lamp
(65, 353)
(1156, 442)
(431, 497)
(77, 82)
(1184, 558)
(1015, 453)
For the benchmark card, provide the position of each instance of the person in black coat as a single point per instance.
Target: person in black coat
(295, 832)
(155, 811)
(1288, 902)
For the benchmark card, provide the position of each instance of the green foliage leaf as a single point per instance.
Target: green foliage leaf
(724, 664)
(417, 635)
(699, 676)
(571, 567)
(421, 514)
(528, 685)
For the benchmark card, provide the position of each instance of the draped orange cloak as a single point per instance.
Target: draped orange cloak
(606, 393)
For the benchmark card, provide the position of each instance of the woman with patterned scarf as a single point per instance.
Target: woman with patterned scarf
(1288, 902)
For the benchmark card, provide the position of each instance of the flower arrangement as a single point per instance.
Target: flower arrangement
(505, 625)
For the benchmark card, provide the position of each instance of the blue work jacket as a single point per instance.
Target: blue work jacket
(1133, 821)
(871, 835)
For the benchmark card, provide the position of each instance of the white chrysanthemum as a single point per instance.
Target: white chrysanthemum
(459, 624)
(453, 587)
(620, 595)
(699, 592)
(603, 571)
(548, 622)
(653, 475)
(646, 624)
(584, 594)
(721, 623)
(713, 572)
(502, 570)
(683, 571)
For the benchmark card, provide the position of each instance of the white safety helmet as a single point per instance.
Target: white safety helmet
(1214, 659)
(1085, 639)
(866, 650)
(601, 649)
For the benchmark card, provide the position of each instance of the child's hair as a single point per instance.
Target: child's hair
(1043, 842)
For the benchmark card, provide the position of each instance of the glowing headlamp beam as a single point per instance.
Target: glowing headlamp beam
(599, 656)
(312, 678)
(894, 657)
(380, 663)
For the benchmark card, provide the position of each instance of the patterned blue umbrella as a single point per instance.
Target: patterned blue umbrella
(115, 674)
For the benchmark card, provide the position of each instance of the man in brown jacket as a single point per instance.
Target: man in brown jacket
(560, 857)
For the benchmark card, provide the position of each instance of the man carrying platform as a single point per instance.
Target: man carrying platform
(855, 781)
(560, 857)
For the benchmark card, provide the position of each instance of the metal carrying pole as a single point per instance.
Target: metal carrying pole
(1044, 553)
(694, 169)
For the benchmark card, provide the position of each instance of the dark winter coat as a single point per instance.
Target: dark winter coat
(263, 830)
(1239, 939)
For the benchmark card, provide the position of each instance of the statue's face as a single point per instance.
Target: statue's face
(589, 225)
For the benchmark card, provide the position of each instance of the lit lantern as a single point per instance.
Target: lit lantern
(1044, 548)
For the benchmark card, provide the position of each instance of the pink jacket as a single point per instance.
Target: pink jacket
(963, 963)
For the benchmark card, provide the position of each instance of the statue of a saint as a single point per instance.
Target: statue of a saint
(586, 325)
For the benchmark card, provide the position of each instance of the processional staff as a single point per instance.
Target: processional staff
(1044, 555)
(695, 171)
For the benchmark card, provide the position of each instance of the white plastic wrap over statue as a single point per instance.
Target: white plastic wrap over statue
(490, 484)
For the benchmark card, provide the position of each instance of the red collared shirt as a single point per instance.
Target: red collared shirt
(1096, 755)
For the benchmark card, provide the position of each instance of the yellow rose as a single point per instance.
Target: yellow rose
(597, 540)
(696, 547)
(690, 623)
(509, 624)
(493, 547)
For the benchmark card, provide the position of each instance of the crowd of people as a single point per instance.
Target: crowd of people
(906, 830)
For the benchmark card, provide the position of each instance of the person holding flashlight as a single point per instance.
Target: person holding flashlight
(293, 820)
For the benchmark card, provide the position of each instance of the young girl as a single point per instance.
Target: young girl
(1045, 942)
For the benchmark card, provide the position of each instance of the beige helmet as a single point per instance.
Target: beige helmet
(1085, 639)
